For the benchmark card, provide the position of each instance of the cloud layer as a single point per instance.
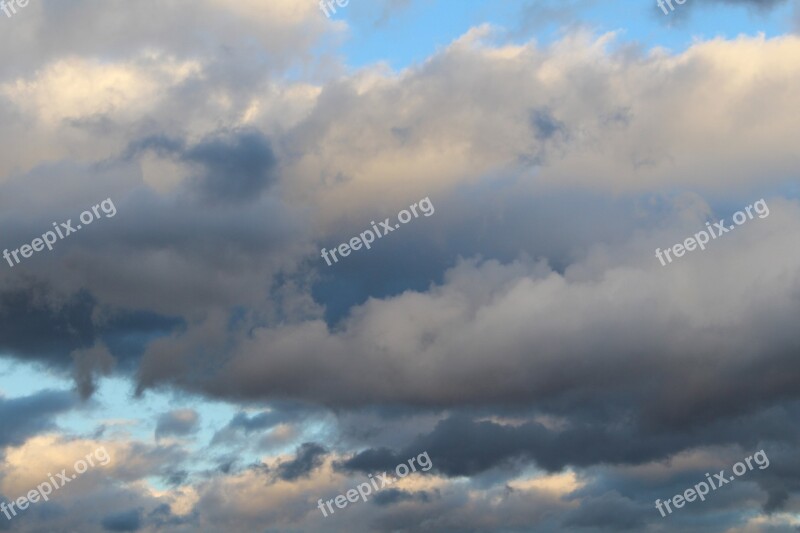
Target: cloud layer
(525, 336)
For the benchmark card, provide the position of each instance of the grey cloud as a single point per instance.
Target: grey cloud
(35, 323)
(156, 255)
(279, 413)
(27, 416)
(179, 423)
(104, 504)
(537, 14)
(391, 8)
(545, 125)
(236, 169)
(609, 512)
(235, 166)
(88, 364)
(308, 457)
(371, 460)
(256, 422)
(53, 29)
(393, 496)
(177, 478)
(462, 446)
(161, 144)
(43, 323)
(162, 516)
(533, 346)
(139, 461)
(125, 521)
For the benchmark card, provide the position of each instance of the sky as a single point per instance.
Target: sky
(294, 252)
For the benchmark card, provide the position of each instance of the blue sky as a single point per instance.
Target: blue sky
(416, 30)
(113, 402)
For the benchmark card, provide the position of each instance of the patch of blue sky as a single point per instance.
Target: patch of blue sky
(112, 405)
(413, 31)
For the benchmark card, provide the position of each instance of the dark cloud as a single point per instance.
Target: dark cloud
(39, 323)
(125, 521)
(545, 125)
(88, 364)
(162, 517)
(308, 457)
(160, 144)
(176, 479)
(256, 422)
(461, 446)
(234, 166)
(26, 416)
(393, 496)
(42, 323)
(609, 512)
(34, 323)
(237, 167)
(371, 460)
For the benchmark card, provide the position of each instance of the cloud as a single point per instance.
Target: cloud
(278, 414)
(178, 423)
(309, 456)
(282, 28)
(527, 318)
(89, 363)
(393, 496)
(234, 166)
(125, 521)
(610, 512)
(522, 312)
(35, 322)
(32, 414)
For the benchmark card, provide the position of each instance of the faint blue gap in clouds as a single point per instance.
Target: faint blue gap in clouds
(113, 401)
(19, 379)
(135, 419)
(407, 33)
